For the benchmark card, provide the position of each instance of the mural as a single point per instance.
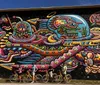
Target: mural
(50, 41)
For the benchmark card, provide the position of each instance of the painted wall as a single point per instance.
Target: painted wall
(51, 37)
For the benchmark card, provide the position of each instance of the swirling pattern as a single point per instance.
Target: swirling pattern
(66, 56)
(92, 69)
(16, 40)
(38, 41)
(43, 52)
(5, 58)
(24, 55)
(8, 58)
(61, 59)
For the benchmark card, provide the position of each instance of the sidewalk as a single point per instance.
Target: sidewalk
(41, 84)
(32, 84)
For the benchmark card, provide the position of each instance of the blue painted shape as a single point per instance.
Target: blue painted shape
(36, 55)
(29, 60)
(14, 48)
(21, 62)
(0, 29)
(80, 24)
(20, 48)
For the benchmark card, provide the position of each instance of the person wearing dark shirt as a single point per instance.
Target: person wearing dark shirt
(19, 72)
(50, 71)
(58, 69)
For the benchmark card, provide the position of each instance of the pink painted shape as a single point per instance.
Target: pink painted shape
(66, 55)
(1, 51)
(46, 66)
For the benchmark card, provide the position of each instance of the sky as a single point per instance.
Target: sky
(9, 4)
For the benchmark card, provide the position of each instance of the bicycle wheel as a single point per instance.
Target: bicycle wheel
(68, 78)
(38, 78)
(24, 78)
(57, 78)
(28, 79)
(13, 78)
(45, 79)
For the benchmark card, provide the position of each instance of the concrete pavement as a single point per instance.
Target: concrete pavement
(42, 84)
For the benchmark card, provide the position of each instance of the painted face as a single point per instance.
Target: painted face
(21, 27)
(22, 31)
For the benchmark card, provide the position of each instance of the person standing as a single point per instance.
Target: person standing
(20, 72)
(64, 70)
(50, 70)
(34, 69)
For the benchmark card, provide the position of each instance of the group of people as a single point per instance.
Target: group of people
(62, 68)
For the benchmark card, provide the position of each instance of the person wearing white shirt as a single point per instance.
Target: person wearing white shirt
(34, 69)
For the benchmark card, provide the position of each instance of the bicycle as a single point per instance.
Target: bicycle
(28, 77)
(66, 79)
(15, 78)
(38, 78)
(58, 78)
(46, 77)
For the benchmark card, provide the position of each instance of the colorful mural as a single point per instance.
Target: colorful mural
(51, 41)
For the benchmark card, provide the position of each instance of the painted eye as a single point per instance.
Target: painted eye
(73, 24)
